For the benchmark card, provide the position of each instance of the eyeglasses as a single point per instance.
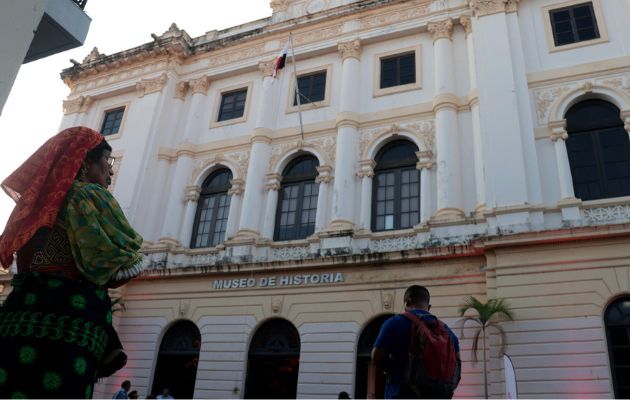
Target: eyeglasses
(111, 161)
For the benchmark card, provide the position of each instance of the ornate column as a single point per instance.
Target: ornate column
(347, 151)
(366, 173)
(323, 178)
(558, 136)
(449, 191)
(191, 198)
(473, 101)
(199, 88)
(249, 224)
(425, 163)
(272, 187)
(235, 192)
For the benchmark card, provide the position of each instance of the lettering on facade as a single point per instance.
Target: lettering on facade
(279, 281)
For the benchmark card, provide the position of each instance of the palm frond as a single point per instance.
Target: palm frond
(475, 345)
(460, 324)
(503, 336)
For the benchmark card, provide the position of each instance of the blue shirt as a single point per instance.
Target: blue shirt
(394, 338)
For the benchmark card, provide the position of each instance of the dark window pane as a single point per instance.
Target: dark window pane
(212, 210)
(311, 87)
(398, 70)
(112, 121)
(573, 24)
(232, 105)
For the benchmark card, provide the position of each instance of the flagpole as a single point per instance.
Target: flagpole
(297, 91)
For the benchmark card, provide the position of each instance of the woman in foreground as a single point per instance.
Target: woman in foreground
(72, 243)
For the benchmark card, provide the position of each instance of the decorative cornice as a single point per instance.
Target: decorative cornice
(266, 67)
(441, 29)
(192, 193)
(237, 188)
(148, 86)
(80, 104)
(466, 22)
(351, 49)
(181, 88)
(487, 7)
(325, 174)
(200, 85)
(366, 168)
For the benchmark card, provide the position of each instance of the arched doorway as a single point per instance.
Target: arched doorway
(364, 352)
(274, 360)
(176, 368)
(617, 320)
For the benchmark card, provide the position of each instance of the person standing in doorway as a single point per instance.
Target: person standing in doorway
(165, 395)
(122, 392)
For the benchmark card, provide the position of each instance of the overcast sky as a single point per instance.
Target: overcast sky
(32, 112)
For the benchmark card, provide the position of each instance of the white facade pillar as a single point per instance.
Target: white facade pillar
(236, 193)
(425, 163)
(323, 178)
(260, 155)
(191, 199)
(272, 187)
(347, 152)
(366, 173)
(473, 101)
(199, 88)
(449, 188)
(558, 136)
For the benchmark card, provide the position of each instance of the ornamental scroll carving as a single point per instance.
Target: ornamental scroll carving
(181, 88)
(148, 86)
(80, 104)
(350, 49)
(228, 57)
(418, 10)
(200, 85)
(317, 35)
(394, 244)
(237, 159)
(290, 253)
(487, 7)
(441, 29)
(547, 99)
(423, 130)
(325, 146)
(606, 215)
(466, 22)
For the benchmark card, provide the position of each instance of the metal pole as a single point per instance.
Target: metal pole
(297, 91)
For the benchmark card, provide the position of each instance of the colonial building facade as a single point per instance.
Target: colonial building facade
(477, 147)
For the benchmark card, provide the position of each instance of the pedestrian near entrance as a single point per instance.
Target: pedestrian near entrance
(122, 392)
(407, 364)
(165, 395)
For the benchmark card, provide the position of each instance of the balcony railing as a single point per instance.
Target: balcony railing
(80, 3)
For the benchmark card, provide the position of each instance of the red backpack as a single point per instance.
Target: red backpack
(433, 370)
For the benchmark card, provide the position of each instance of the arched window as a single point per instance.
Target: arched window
(212, 210)
(177, 362)
(364, 355)
(599, 150)
(274, 360)
(617, 320)
(297, 202)
(396, 188)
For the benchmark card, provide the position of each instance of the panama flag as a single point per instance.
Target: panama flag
(282, 57)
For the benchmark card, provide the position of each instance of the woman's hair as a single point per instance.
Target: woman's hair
(96, 153)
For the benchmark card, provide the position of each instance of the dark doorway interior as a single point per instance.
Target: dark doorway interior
(274, 360)
(364, 352)
(176, 367)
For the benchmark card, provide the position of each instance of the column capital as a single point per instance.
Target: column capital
(148, 86)
(325, 174)
(466, 22)
(181, 88)
(237, 188)
(192, 193)
(425, 159)
(79, 105)
(351, 49)
(558, 132)
(441, 29)
(487, 7)
(273, 181)
(266, 67)
(366, 168)
(200, 85)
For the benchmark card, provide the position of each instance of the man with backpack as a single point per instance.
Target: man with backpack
(418, 353)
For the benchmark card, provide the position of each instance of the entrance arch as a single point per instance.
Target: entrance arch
(617, 320)
(176, 368)
(273, 362)
(364, 353)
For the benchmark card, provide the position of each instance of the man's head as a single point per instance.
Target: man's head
(126, 385)
(165, 392)
(417, 297)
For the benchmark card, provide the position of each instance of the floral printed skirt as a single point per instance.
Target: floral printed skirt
(53, 332)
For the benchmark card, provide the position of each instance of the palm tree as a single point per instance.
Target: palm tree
(486, 311)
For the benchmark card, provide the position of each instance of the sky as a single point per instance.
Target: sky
(33, 110)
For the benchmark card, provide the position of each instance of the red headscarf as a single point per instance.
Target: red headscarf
(40, 184)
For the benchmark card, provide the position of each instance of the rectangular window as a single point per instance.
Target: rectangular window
(112, 120)
(311, 87)
(232, 105)
(576, 23)
(398, 70)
